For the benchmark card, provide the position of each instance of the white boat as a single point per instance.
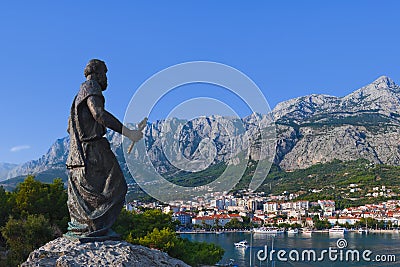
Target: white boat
(307, 231)
(362, 230)
(337, 230)
(242, 244)
(293, 231)
(268, 230)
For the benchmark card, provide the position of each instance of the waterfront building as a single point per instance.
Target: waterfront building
(309, 222)
(343, 220)
(183, 217)
(222, 219)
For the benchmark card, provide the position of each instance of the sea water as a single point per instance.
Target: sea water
(373, 249)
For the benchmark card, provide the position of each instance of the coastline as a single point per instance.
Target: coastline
(383, 231)
(324, 231)
(212, 232)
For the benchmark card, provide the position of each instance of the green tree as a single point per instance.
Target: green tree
(29, 197)
(246, 220)
(197, 253)
(5, 212)
(32, 215)
(315, 209)
(234, 224)
(132, 225)
(154, 229)
(124, 223)
(58, 210)
(24, 235)
(34, 197)
(216, 224)
(164, 239)
(321, 224)
(193, 253)
(5, 208)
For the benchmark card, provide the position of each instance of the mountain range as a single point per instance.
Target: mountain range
(309, 130)
(5, 168)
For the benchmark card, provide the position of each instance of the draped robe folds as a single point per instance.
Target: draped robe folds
(96, 184)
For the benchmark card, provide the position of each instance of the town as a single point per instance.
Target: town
(224, 212)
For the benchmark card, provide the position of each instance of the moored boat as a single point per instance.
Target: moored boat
(241, 244)
(337, 230)
(293, 231)
(362, 230)
(268, 230)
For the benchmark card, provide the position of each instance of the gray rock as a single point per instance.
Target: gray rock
(319, 128)
(63, 252)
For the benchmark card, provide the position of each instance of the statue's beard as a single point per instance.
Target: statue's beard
(103, 85)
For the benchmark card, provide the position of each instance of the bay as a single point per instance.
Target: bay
(384, 247)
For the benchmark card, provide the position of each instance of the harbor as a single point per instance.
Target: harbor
(378, 241)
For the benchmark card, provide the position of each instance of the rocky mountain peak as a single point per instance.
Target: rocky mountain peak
(383, 82)
(382, 95)
(382, 85)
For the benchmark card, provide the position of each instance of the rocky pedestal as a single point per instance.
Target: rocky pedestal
(63, 252)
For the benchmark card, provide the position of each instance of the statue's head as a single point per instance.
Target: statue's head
(96, 70)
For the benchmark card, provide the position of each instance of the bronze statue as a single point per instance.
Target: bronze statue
(96, 184)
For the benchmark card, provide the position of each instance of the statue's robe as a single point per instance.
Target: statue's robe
(96, 184)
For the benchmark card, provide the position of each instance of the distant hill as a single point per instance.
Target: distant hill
(349, 183)
(5, 168)
(46, 176)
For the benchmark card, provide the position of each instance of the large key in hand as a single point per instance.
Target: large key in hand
(141, 126)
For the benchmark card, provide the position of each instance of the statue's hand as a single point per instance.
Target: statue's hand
(134, 135)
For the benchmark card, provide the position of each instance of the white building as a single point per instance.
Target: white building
(271, 207)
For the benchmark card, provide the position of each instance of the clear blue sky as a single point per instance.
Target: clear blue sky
(288, 48)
